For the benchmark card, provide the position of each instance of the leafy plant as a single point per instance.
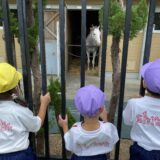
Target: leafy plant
(54, 88)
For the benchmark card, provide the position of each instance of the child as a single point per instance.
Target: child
(144, 116)
(16, 121)
(90, 139)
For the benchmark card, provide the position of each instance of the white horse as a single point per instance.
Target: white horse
(93, 42)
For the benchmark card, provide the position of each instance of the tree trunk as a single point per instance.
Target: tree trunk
(34, 64)
(29, 12)
(34, 61)
(100, 55)
(36, 78)
(14, 52)
(115, 77)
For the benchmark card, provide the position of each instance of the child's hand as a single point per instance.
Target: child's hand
(43, 106)
(104, 115)
(63, 123)
(46, 99)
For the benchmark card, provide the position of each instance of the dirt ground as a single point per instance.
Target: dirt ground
(56, 145)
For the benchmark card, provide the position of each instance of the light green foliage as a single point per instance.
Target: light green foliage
(54, 88)
(32, 37)
(14, 24)
(139, 18)
(116, 18)
(13, 21)
(32, 31)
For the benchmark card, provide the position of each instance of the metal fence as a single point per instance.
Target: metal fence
(21, 9)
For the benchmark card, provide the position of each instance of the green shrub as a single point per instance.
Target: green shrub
(54, 88)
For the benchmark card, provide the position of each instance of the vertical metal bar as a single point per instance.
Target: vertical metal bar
(43, 70)
(104, 44)
(148, 42)
(149, 31)
(62, 51)
(123, 72)
(25, 56)
(7, 32)
(24, 52)
(83, 41)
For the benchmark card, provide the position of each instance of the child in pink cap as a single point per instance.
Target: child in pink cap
(143, 114)
(90, 139)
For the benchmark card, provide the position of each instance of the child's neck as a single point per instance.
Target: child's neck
(150, 95)
(90, 124)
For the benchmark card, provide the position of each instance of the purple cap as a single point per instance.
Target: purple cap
(88, 100)
(151, 75)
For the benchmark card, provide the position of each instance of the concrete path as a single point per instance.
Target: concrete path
(73, 83)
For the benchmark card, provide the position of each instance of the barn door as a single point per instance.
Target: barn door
(52, 41)
(51, 26)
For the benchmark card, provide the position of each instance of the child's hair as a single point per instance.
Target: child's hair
(88, 100)
(7, 95)
(153, 93)
(151, 76)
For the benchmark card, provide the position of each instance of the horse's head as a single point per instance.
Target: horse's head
(96, 34)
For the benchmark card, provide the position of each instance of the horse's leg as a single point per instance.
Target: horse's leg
(93, 60)
(88, 59)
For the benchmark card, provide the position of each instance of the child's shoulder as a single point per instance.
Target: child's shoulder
(75, 125)
(12, 107)
(18, 106)
(19, 109)
(9, 104)
(135, 99)
(108, 125)
(110, 130)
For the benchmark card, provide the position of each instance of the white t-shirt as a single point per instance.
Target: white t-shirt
(144, 116)
(16, 122)
(88, 143)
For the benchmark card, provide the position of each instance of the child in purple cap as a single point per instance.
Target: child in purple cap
(90, 139)
(143, 114)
